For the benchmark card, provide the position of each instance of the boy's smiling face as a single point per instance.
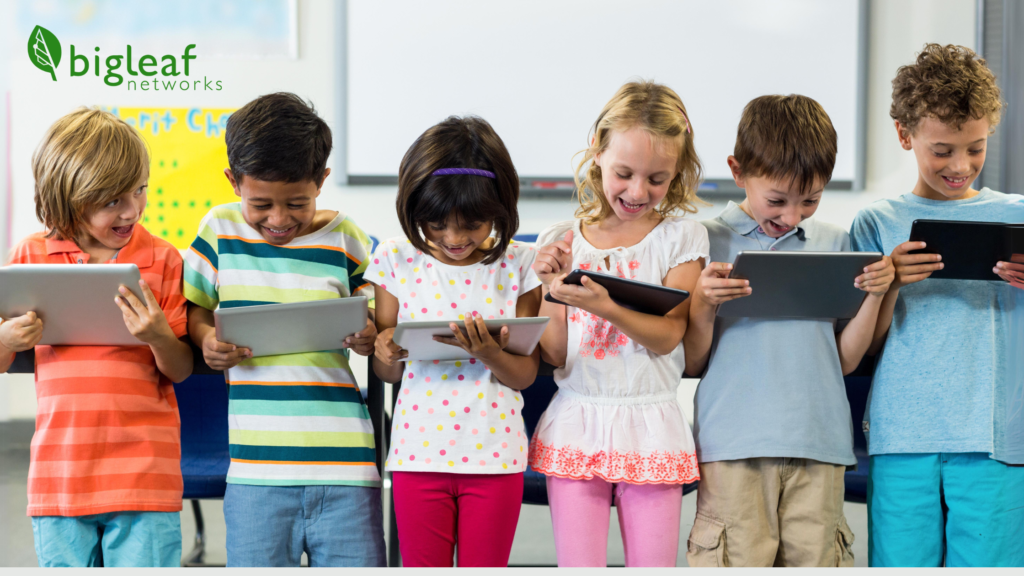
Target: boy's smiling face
(110, 227)
(279, 211)
(776, 204)
(948, 160)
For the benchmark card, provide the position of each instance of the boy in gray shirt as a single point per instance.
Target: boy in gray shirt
(771, 419)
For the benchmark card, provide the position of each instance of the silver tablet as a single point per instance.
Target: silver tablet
(418, 337)
(293, 327)
(75, 301)
(799, 284)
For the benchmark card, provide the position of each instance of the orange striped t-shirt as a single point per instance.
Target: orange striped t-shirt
(107, 429)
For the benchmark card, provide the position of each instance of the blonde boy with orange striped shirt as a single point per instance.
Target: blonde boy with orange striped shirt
(105, 473)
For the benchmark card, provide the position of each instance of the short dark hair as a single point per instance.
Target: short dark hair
(278, 138)
(786, 137)
(949, 83)
(468, 142)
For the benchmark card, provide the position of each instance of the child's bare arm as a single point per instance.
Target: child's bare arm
(910, 268)
(856, 339)
(218, 355)
(659, 334)
(147, 322)
(713, 288)
(554, 341)
(387, 358)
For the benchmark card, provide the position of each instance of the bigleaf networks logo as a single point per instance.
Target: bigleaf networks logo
(44, 50)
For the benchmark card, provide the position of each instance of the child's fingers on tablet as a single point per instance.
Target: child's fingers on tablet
(449, 340)
(151, 302)
(920, 269)
(720, 269)
(907, 247)
(462, 338)
(726, 282)
(131, 298)
(916, 259)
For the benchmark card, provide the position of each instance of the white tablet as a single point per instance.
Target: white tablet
(799, 284)
(75, 301)
(293, 327)
(418, 337)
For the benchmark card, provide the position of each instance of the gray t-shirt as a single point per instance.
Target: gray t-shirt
(772, 388)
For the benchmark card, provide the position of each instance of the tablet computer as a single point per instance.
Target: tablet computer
(632, 294)
(74, 301)
(969, 250)
(292, 327)
(418, 337)
(799, 284)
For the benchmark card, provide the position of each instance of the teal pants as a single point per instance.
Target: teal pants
(945, 509)
(127, 539)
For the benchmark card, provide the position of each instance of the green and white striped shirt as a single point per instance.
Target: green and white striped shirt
(294, 419)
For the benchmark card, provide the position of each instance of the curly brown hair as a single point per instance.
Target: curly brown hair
(949, 83)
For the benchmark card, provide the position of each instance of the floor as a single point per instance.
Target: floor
(533, 546)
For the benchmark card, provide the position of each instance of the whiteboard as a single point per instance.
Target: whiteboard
(540, 71)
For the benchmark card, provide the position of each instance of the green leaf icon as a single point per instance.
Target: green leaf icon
(44, 50)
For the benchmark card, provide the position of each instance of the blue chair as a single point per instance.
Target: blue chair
(203, 409)
(858, 384)
(525, 237)
(373, 244)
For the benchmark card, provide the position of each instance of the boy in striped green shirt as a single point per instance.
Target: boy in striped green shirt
(302, 476)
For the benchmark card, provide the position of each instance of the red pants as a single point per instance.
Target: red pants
(435, 511)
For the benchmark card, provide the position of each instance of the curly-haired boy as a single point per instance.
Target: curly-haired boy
(944, 421)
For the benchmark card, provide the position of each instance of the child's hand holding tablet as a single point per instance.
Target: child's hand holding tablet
(476, 340)
(145, 320)
(21, 333)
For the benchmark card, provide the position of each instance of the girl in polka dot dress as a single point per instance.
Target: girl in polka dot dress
(458, 445)
(615, 431)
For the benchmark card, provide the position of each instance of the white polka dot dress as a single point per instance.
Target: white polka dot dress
(454, 416)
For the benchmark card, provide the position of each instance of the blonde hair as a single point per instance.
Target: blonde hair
(658, 111)
(86, 159)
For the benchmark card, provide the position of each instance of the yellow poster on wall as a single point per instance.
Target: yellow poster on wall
(186, 167)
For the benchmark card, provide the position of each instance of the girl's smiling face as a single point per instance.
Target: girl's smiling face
(455, 242)
(110, 227)
(636, 170)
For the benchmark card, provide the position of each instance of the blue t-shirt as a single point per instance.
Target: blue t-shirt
(949, 378)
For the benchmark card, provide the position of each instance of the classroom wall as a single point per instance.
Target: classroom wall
(898, 29)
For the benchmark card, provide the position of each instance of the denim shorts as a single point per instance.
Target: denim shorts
(125, 539)
(334, 525)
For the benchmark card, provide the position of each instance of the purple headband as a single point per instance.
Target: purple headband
(466, 171)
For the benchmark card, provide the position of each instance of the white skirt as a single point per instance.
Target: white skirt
(637, 440)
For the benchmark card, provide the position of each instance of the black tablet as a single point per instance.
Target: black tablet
(799, 284)
(639, 296)
(969, 250)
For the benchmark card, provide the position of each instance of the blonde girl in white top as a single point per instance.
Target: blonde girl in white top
(615, 431)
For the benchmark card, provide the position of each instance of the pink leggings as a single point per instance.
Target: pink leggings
(435, 511)
(648, 517)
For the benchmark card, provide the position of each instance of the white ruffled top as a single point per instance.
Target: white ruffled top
(616, 415)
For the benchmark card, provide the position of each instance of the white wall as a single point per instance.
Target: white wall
(899, 28)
